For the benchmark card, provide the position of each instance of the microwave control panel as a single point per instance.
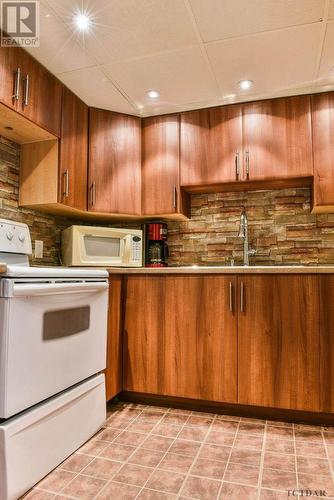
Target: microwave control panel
(136, 247)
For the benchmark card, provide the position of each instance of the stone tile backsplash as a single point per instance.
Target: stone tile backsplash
(281, 227)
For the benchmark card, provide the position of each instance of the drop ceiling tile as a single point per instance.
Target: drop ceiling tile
(326, 70)
(220, 19)
(331, 10)
(125, 29)
(274, 60)
(58, 50)
(181, 77)
(96, 90)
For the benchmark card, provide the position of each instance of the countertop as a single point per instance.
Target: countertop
(224, 270)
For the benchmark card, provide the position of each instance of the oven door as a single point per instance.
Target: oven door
(52, 336)
(103, 248)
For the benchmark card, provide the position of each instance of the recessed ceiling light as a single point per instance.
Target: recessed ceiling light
(245, 84)
(153, 94)
(82, 21)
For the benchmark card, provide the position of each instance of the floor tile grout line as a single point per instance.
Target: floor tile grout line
(228, 459)
(197, 454)
(295, 449)
(261, 465)
(164, 455)
(327, 454)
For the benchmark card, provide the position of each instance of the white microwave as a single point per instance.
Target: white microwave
(102, 246)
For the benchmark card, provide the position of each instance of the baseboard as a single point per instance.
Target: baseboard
(298, 416)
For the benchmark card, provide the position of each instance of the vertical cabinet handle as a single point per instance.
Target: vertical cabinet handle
(174, 196)
(247, 163)
(231, 296)
(26, 91)
(237, 168)
(93, 194)
(242, 297)
(66, 183)
(17, 82)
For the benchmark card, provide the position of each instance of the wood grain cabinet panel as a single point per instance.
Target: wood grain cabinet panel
(180, 337)
(323, 150)
(44, 91)
(277, 138)
(73, 159)
(113, 372)
(327, 343)
(161, 165)
(114, 163)
(278, 334)
(211, 146)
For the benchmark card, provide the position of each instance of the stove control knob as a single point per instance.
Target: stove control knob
(9, 235)
(21, 237)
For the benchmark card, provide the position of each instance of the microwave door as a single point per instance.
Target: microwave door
(103, 249)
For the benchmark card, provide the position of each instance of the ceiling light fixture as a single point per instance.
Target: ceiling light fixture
(82, 21)
(245, 84)
(153, 94)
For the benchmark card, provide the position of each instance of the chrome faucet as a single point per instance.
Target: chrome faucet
(243, 233)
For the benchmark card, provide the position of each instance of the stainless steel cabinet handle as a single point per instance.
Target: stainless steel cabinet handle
(237, 168)
(17, 82)
(174, 196)
(242, 297)
(66, 183)
(247, 163)
(26, 91)
(93, 194)
(231, 297)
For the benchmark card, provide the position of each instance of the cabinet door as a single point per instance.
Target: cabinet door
(327, 343)
(10, 62)
(323, 149)
(225, 144)
(277, 139)
(73, 152)
(195, 163)
(180, 337)
(113, 372)
(114, 163)
(211, 146)
(278, 333)
(44, 94)
(161, 162)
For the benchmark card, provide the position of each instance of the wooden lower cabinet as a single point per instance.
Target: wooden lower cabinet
(113, 372)
(327, 343)
(250, 340)
(278, 342)
(181, 336)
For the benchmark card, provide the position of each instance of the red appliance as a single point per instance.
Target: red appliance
(156, 248)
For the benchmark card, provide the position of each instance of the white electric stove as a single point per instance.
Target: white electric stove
(53, 330)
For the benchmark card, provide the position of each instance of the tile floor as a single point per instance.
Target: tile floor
(156, 453)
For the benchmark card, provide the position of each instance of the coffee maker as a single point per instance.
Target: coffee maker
(156, 248)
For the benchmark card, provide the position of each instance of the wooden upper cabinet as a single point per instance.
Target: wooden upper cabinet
(323, 151)
(73, 155)
(278, 342)
(181, 336)
(277, 139)
(211, 146)
(195, 163)
(225, 144)
(10, 81)
(160, 165)
(38, 92)
(114, 163)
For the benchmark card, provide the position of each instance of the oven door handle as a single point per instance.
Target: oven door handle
(31, 289)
